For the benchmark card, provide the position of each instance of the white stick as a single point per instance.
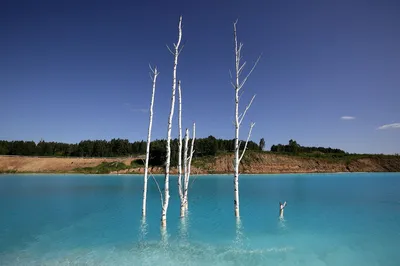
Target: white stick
(168, 146)
(155, 74)
(237, 125)
(245, 111)
(239, 118)
(248, 137)
(185, 163)
(180, 190)
(189, 164)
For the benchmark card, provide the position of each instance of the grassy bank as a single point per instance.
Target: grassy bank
(254, 162)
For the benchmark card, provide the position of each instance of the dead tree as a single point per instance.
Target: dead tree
(188, 167)
(238, 86)
(146, 167)
(175, 53)
(180, 190)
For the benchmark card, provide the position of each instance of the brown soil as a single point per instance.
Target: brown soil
(27, 164)
(255, 163)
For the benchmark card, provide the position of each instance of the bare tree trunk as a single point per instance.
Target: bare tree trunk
(189, 164)
(146, 167)
(185, 159)
(171, 114)
(180, 190)
(239, 118)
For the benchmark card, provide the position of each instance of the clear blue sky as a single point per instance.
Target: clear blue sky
(75, 70)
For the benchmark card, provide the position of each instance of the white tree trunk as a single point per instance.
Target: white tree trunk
(146, 167)
(189, 164)
(180, 189)
(171, 114)
(185, 160)
(239, 118)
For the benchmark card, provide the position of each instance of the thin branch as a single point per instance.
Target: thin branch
(169, 49)
(248, 137)
(159, 189)
(152, 70)
(248, 75)
(180, 50)
(194, 179)
(247, 108)
(241, 68)
(240, 50)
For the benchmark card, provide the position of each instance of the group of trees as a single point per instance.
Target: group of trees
(294, 147)
(209, 146)
(86, 148)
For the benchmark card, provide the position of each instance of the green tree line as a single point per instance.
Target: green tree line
(209, 146)
(294, 147)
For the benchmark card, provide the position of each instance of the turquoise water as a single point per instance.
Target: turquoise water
(330, 219)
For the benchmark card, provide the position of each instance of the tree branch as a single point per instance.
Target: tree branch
(169, 49)
(241, 68)
(248, 75)
(180, 50)
(247, 108)
(159, 189)
(248, 137)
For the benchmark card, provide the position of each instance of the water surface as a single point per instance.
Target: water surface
(330, 219)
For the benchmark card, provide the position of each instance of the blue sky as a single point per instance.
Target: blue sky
(75, 70)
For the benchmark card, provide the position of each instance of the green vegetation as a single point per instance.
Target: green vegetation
(8, 172)
(294, 147)
(329, 154)
(103, 168)
(206, 152)
(203, 162)
(209, 146)
(137, 163)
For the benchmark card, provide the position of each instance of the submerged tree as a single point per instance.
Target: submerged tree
(180, 191)
(188, 162)
(175, 53)
(146, 167)
(238, 86)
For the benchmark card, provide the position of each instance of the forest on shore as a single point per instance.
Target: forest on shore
(204, 147)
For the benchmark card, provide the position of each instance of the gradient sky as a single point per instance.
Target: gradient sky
(329, 74)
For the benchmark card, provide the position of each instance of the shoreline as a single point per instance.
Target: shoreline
(194, 175)
(254, 164)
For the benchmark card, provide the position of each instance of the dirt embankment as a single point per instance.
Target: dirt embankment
(271, 163)
(255, 163)
(28, 164)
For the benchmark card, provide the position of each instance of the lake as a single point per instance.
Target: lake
(330, 219)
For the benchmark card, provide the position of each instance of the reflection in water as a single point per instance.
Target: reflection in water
(183, 228)
(282, 223)
(143, 231)
(164, 238)
(238, 243)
